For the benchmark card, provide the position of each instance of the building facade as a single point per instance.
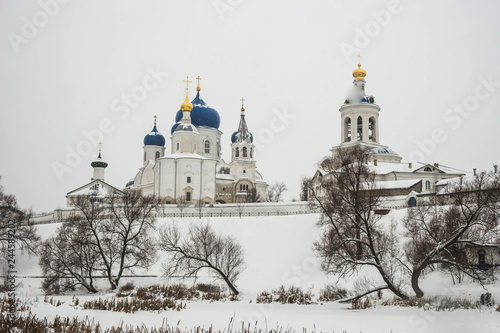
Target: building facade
(403, 181)
(194, 171)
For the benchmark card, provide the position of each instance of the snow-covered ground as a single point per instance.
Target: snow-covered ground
(278, 251)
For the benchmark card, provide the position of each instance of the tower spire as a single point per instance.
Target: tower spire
(155, 119)
(242, 105)
(100, 144)
(187, 106)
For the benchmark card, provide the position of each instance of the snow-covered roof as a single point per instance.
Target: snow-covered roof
(388, 167)
(90, 189)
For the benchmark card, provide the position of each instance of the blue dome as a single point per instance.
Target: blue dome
(202, 115)
(233, 137)
(154, 138)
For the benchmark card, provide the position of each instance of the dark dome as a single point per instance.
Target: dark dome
(233, 137)
(154, 138)
(202, 115)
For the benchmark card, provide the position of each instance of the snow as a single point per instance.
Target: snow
(278, 251)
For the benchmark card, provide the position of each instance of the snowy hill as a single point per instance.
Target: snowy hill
(278, 251)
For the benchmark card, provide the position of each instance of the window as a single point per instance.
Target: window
(144, 156)
(177, 146)
(157, 155)
(237, 152)
(218, 148)
(251, 152)
(188, 196)
(168, 202)
(412, 202)
(427, 185)
(207, 147)
(223, 189)
(428, 169)
(244, 171)
(360, 128)
(244, 151)
(195, 147)
(189, 179)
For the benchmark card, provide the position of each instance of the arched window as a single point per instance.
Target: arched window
(360, 129)
(427, 185)
(347, 129)
(178, 145)
(237, 152)
(251, 152)
(218, 148)
(244, 151)
(372, 129)
(144, 156)
(412, 202)
(157, 155)
(207, 147)
(428, 169)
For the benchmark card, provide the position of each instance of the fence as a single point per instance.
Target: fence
(207, 211)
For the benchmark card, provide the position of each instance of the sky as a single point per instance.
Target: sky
(74, 72)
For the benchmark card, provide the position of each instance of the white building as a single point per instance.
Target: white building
(402, 181)
(194, 172)
(97, 187)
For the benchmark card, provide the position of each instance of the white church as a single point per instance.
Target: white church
(402, 182)
(194, 171)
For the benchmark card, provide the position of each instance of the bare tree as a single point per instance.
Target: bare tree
(121, 228)
(24, 232)
(304, 188)
(70, 258)
(353, 236)
(201, 248)
(274, 193)
(439, 232)
(181, 204)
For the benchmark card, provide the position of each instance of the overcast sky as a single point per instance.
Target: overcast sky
(68, 67)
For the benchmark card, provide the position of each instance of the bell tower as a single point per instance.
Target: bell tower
(359, 117)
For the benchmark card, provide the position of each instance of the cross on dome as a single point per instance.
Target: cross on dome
(242, 104)
(198, 88)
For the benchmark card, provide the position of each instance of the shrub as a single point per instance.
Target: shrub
(331, 293)
(486, 299)
(361, 303)
(294, 295)
(435, 303)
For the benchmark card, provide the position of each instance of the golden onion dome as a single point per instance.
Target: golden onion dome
(186, 106)
(359, 74)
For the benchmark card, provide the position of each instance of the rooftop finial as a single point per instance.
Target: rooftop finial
(242, 104)
(155, 119)
(198, 88)
(187, 106)
(100, 144)
(359, 74)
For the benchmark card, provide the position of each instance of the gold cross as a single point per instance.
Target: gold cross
(242, 101)
(155, 119)
(187, 82)
(198, 78)
(100, 143)
(359, 57)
